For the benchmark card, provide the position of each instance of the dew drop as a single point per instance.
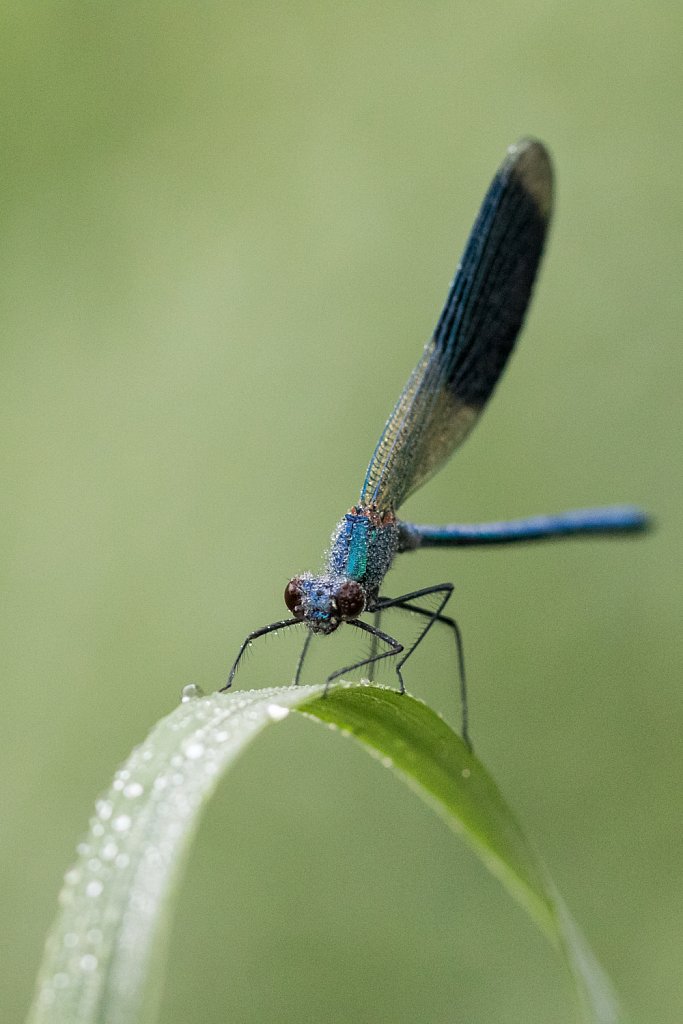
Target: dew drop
(93, 888)
(71, 940)
(190, 692)
(466, 773)
(277, 712)
(194, 750)
(103, 808)
(88, 962)
(121, 823)
(133, 789)
(72, 877)
(109, 850)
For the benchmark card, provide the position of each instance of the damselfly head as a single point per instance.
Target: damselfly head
(324, 602)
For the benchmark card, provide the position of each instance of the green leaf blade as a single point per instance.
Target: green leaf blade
(103, 958)
(103, 961)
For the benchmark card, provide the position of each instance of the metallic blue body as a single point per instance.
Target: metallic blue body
(443, 399)
(363, 550)
(611, 519)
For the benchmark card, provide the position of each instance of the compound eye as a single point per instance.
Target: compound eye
(350, 599)
(293, 597)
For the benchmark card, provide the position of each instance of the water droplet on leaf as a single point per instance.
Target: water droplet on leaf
(190, 692)
(277, 712)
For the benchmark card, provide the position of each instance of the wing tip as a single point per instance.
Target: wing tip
(529, 161)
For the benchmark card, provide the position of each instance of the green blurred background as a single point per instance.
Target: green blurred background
(227, 230)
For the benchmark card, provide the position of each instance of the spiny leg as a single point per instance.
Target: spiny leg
(395, 648)
(445, 589)
(302, 656)
(376, 623)
(263, 631)
(460, 656)
(404, 601)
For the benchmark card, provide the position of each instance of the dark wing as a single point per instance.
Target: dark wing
(475, 334)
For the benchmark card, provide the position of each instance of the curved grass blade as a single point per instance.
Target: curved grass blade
(104, 957)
